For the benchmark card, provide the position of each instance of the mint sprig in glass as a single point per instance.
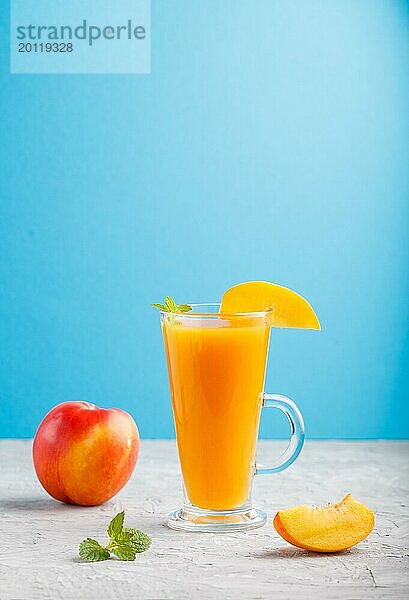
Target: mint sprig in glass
(171, 306)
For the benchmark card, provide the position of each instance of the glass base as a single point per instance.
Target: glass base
(195, 519)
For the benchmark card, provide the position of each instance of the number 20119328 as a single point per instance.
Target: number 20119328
(45, 47)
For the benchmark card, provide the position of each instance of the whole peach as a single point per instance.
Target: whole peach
(83, 454)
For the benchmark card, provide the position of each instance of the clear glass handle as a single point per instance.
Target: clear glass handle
(292, 412)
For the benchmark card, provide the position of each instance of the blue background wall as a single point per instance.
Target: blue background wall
(271, 141)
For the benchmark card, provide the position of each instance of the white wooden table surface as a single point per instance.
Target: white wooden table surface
(39, 537)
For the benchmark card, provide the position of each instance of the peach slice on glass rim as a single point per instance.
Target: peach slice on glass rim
(288, 309)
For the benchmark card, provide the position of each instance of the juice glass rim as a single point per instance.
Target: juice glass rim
(215, 314)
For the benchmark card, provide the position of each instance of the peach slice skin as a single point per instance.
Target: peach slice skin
(329, 528)
(288, 309)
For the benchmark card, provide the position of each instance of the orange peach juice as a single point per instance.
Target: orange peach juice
(216, 371)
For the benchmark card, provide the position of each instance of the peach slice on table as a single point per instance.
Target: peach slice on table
(329, 528)
(288, 309)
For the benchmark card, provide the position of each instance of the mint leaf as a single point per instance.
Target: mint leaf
(91, 551)
(184, 308)
(171, 306)
(138, 540)
(124, 552)
(124, 538)
(116, 525)
(124, 543)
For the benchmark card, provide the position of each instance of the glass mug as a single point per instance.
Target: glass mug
(216, 364)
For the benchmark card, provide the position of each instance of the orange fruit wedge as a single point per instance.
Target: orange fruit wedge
(329, 528)
(288, 309)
